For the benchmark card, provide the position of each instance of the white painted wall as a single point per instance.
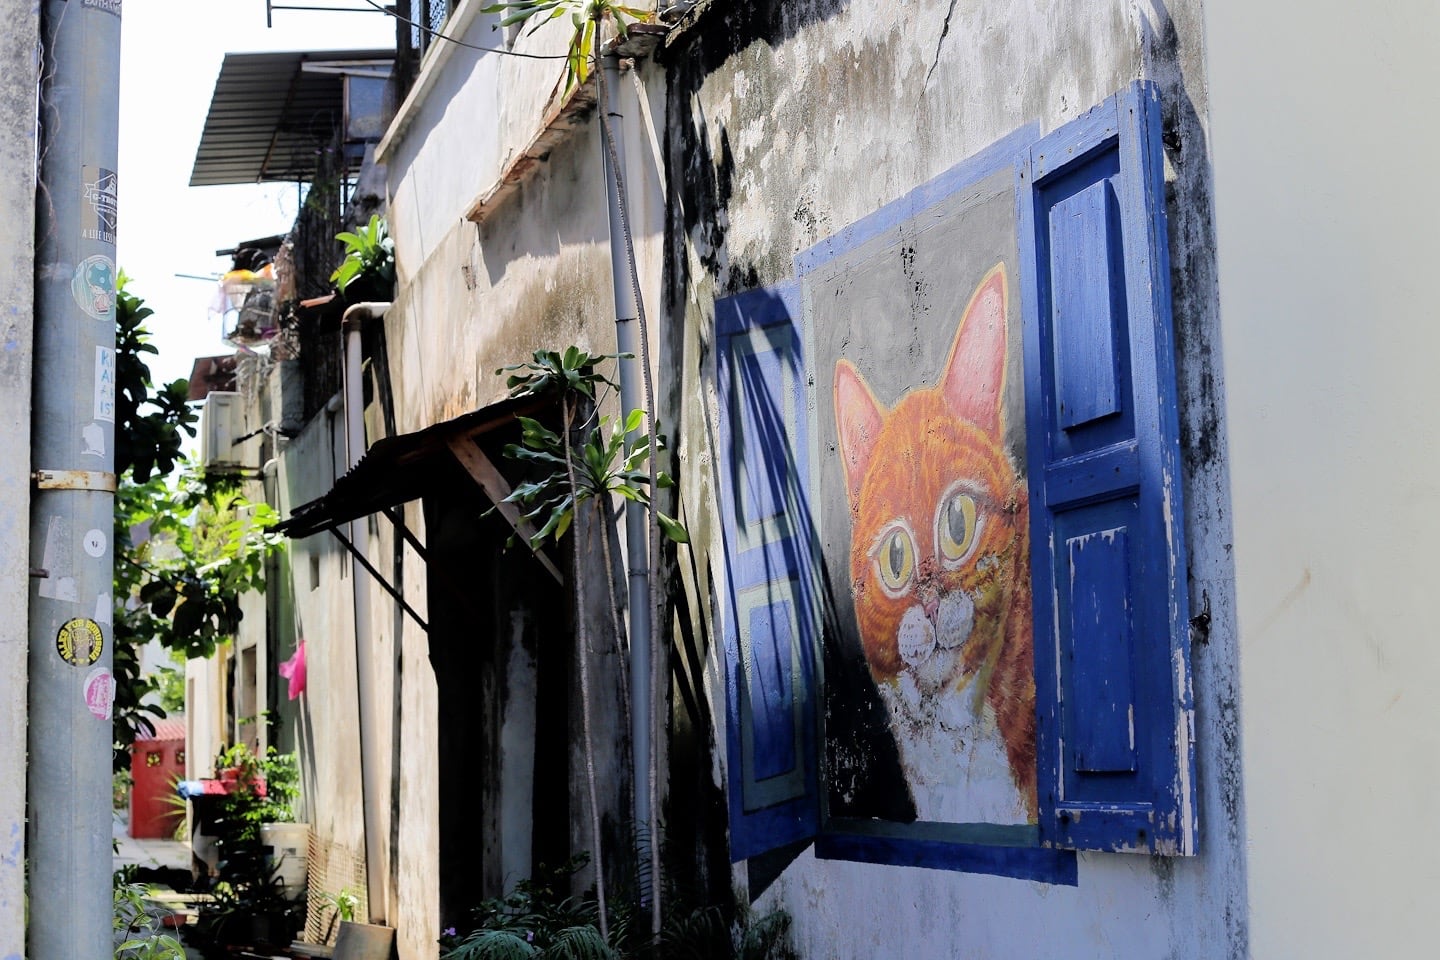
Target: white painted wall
(1323, 131)
(18, 76)
(327, 717)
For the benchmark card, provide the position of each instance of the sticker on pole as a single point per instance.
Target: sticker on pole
(97, 218)
(94, 542)
(100, 693)
(105, 384)
(80, 642)
(111, 7)
(94, 287)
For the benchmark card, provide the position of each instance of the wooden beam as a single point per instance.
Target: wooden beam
(484, 472)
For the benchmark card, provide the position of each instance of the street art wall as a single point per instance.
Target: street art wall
(873, 436)
(930, 695)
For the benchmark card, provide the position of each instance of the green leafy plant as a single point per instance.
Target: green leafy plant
(587, 464)
(139, 932)
(201, 544)
(204, 546)
(345, 904)
(369, 253)
(538, 921)
(249, 902)
(150, 423)
(587, 18)
(606, 459)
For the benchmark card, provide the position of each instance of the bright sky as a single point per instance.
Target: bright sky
(171, 52)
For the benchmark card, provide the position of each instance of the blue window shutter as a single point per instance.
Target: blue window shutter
(1112, 648)
(769, 612)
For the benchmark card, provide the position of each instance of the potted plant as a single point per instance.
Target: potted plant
(259, 894)
(368, 270)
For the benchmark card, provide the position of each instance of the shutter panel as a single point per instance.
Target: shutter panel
(769, 614)
(1112, 647)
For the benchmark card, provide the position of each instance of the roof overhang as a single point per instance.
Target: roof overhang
(272, 112)
(399, 469)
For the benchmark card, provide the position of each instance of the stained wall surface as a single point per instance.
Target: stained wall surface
(790, 123)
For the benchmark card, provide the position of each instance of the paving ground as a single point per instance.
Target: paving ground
(158, 854)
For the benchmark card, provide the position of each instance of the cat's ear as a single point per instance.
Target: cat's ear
(974, 383)
(858, 418)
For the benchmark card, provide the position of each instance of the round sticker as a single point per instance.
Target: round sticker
(93, 286)
(99, 693)
(94, 543)
(80, 642)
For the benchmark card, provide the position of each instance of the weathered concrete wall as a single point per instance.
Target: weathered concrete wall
(1327, 256)
(472, 298)
(789, 121)
(18, 79)
(328, 719)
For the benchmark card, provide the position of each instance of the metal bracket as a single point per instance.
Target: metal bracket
(379, 578)
(75, 480)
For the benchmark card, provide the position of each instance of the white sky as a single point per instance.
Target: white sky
(171, 52)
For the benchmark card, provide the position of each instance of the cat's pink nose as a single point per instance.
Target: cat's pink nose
(930, 600)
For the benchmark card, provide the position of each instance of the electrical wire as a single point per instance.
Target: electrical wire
(437, 35)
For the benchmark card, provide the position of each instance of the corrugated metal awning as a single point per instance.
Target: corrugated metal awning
(269, 117)
(399, 469)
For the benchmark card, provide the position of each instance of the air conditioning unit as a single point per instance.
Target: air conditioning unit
(222, 424)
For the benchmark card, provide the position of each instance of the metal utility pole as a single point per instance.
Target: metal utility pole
(19, 74)
(73, 464)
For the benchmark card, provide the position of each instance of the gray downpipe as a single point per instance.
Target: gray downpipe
(372, 791)
(637, 526)
(72, 514)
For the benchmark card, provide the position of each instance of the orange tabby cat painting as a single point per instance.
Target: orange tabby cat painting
(940, 573)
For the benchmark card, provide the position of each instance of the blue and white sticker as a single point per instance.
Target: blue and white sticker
(93, 286)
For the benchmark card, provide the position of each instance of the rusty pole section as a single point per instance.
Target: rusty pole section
(72, 498)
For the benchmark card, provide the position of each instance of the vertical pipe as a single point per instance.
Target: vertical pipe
(637, 529)
(72, 509)
(19, 75)
(372, 791)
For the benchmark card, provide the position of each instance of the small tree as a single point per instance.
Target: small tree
(202, 543)
(590, 462)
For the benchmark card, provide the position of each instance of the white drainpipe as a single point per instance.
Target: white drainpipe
(371, 789)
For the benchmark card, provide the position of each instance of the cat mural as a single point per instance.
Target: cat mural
(940, 574)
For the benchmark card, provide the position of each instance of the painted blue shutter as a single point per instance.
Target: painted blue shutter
(769, 612)
(1112, 647)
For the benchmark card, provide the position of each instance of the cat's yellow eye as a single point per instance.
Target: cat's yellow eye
(956, 526)
(895, 558)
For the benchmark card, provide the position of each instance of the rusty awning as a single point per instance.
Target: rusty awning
(398, 469)
(402, 468)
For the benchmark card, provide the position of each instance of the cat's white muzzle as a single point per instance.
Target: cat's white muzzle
(931, 649)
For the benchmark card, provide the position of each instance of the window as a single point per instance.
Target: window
(1003, 333)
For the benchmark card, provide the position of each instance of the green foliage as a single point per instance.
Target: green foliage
(249, 886)
(537, 921)
(139, 934)
(169, 682)
(266, 791)
(345, 904)
(369, 253)
(148, 426)
(586, 16)
(181, 583)
(608, 455)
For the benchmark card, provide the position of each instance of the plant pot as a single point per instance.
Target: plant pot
(364, 941)
(288, 849)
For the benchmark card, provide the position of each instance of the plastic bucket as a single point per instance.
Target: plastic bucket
(288, 850)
